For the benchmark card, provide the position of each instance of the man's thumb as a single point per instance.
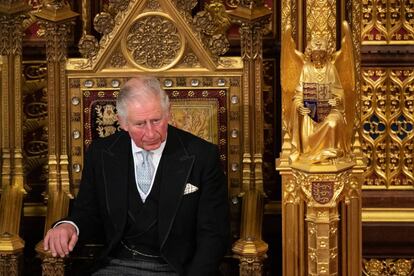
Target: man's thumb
(73, 240)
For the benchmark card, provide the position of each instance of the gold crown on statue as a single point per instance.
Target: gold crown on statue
(318, 43)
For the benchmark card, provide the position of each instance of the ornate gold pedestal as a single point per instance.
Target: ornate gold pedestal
(251, 250)
(321, 219)
(322, 188)
(11, 251)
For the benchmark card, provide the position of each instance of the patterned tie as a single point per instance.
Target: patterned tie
(145, 171)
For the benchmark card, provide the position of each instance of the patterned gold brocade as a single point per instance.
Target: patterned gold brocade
(197, 117)
(321, 20)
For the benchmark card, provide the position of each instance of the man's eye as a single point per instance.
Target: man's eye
(156, 122)
(140, 124)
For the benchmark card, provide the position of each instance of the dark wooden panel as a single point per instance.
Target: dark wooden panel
(388, 199)
(390, 55)
(388, 239)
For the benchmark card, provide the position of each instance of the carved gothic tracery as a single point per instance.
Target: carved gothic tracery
(387, 103)
(389, 22)
(153, 42)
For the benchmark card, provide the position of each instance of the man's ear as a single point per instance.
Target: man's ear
(167, 114)
(122, 123)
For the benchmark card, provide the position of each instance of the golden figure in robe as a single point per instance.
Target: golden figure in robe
(320, 118)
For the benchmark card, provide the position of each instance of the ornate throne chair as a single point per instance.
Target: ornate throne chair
(205, 92)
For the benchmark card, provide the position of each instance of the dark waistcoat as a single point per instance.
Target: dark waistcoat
(141, 230)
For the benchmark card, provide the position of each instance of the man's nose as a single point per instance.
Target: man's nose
(149, 129)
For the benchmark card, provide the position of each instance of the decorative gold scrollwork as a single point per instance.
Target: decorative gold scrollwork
(118, 5)
(251, 266)
(232, 3)
(117, 60)
(10, 32)
(106, 121)
(9, 264)
(374, 267)
(153, 42)
(103, 23)
(88, 46)
(213, 24)
(153, 4)
(191, 60)
(185, 5)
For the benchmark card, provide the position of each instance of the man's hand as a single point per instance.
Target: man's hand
(61, 240)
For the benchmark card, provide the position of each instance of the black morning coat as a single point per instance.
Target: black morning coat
(193, 228)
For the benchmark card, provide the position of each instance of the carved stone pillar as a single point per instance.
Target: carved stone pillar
(12, 14)
(57, 19)
(250, 248)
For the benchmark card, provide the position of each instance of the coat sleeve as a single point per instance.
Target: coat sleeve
(213, 227)
(85, 212)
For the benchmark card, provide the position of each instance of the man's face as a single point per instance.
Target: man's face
(146, 123)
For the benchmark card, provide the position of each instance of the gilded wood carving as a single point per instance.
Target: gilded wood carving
(319, 98)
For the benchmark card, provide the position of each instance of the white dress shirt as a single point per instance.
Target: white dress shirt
(156, 157)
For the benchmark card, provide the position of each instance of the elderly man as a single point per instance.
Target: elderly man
(158, 193)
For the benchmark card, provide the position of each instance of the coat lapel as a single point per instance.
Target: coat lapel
(176, 167)
(116, 171)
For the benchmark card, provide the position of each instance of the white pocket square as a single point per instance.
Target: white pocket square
(190, 188)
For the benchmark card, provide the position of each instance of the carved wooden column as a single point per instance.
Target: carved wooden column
(250, 248)
(12, 14)
(57, 18)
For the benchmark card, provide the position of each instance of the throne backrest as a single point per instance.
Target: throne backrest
(204, 111)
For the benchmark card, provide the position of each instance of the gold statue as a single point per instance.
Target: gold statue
(320, 117)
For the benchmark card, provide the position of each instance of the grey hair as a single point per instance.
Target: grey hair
(138, 89)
